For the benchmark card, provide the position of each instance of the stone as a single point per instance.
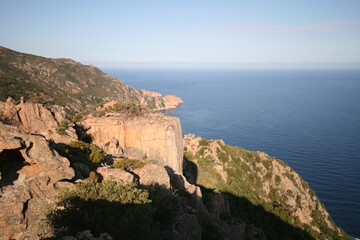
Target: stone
(37, 119)
(154, 137)
(115, 174)
(152, 174)
(31, 171)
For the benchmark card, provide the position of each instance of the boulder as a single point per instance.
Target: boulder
(115, 174)
(152, 174)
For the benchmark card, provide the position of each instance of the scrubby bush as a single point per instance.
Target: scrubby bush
(125, 107)
(1, 116)
(203, 142)
(122, 210)
(76, 117)
(41, 100)
(77, 151)
(133, 163)
(61, 130)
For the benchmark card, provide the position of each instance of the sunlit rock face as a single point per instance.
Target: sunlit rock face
(153, 137)
(37, 119)
(31, 175)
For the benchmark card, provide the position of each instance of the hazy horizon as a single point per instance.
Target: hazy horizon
(185, 31)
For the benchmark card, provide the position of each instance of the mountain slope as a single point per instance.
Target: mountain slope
(256, 179)
(66, 82)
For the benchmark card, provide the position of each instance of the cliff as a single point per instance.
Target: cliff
(67, 83)
(153, 136)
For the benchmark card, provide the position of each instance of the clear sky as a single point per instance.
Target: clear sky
(289, 31)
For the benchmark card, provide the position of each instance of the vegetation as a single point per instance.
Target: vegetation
(65, 82)
(78, 151)
(246, 175)
(61, 130)
(203, 142)
(121, 210)
(126, 107)
(125, 211)
(125, 163)
(41, 100)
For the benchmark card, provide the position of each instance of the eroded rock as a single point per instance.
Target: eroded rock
(154, 137)
(32, 174)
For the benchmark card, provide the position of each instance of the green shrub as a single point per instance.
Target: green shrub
(61, 130)
(150, 106)
(122, 210)
(135, 163)
(78, 151)
(76, 118)
(277, 179)
(203, 142)
(41, 100)
(3, 118)
(125, 107)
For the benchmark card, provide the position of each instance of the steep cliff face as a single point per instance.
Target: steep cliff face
(263, 181)
(31, 175)
(68, 83)
(152, 136)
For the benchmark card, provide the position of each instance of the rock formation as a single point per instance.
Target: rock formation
(154, 137)
(31, 175)
(170, 101)
(35, 118)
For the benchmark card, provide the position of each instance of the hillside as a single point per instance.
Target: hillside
(68, 83)
(262, 190)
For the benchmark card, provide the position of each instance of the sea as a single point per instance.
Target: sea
(309, 118)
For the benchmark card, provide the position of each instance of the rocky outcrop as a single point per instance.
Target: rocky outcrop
(169, 101)
(115, 174)
(153, 137)
(172, 101)
(152, 174)
(37, 119)
(32, 175)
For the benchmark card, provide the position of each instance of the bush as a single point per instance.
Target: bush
(78, 151)
(125, 107)
(1, 116)
(203, 142)
(134, 163)
(41, 100)
(122, 210)
(77, 117)
(61, 130)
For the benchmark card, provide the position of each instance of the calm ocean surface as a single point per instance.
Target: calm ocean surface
(308, 118)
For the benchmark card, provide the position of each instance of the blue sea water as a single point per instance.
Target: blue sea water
(308, 118)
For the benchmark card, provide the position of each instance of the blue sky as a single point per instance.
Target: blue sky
(224, 32)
